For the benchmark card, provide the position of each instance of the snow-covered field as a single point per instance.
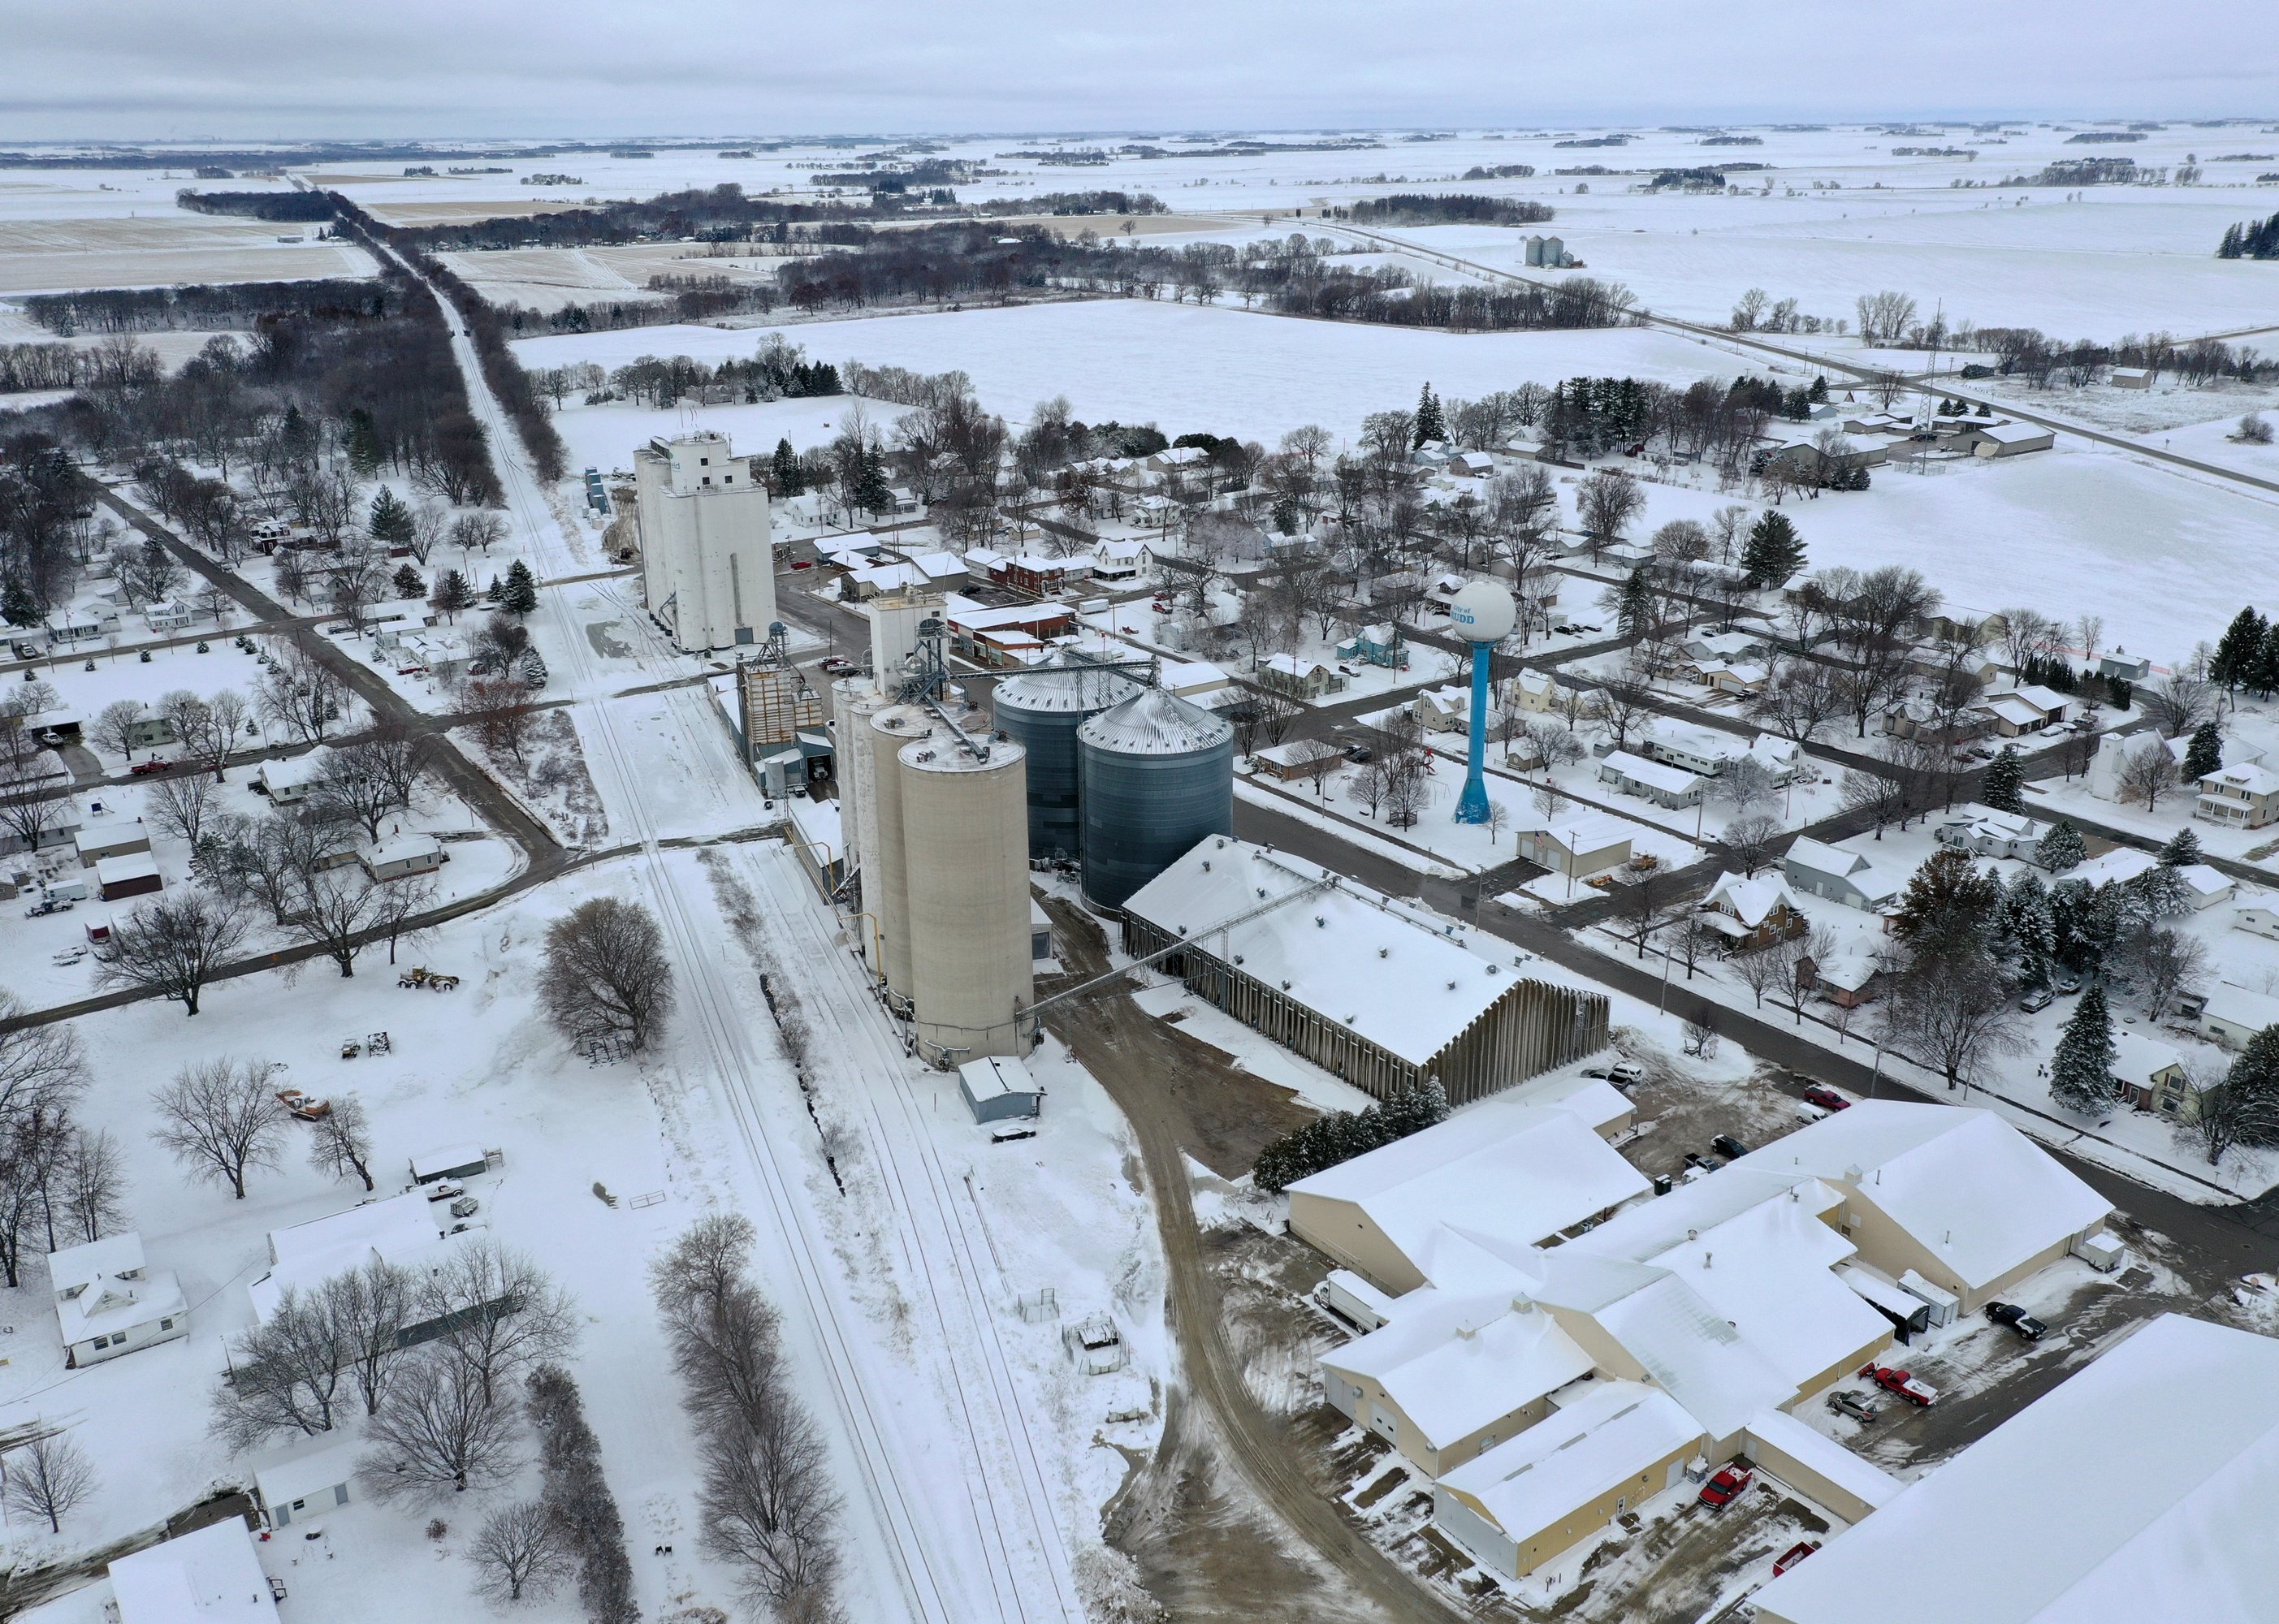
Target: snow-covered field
(1183, 367)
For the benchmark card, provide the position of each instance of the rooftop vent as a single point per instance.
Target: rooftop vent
(1385, 952)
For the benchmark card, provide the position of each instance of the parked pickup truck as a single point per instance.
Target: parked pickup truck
(1901, 1382)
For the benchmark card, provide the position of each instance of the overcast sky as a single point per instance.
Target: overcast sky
(151, 69)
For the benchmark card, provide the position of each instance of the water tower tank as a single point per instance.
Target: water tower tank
(965, 828)
(1158, 776)
(1042, 709)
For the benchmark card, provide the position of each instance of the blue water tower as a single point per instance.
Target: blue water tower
(1482, 614)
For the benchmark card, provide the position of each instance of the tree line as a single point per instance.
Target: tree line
(2251, 240)
(280, 206)
(222, 308)
(1444, 208)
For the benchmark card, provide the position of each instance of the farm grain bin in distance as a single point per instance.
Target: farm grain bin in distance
(965, 829)
(1042, 709)
(1157, 776)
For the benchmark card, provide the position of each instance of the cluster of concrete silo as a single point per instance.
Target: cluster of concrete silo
(943, 809)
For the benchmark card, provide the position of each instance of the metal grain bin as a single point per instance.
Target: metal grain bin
(1042, 709)
(1157, 776)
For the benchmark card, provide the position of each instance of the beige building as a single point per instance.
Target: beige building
(1577, 843)
(2242, 797)
(708, 562)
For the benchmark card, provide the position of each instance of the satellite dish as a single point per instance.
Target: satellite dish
(1482, 612)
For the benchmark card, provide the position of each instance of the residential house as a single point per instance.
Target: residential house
(1752, 913)
(171, 615)
(1665, 786)
(1577, 843)
(212, 1575)
(1445, 709)
(1984, 833)
(2026, 709)
(2152, 1077)
(1300, 678)
(2205, 884)
(1743, 681)
(2231, 1014)
(1195, 680)
(1845, 979)
(1039, 576)
(1114, 562)
(110, 837)
(1916, 718)
(1726, 646)
(109, 1301)
(1853, 878)
(2260, 917)
(287, 783)
(984, 567)
(1531, 691)
(2244, 797)
(402, 855)
(1381, 644)
(79, 623)
(1300, 758)
(2116, 753)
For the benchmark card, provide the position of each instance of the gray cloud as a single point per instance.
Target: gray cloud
(138, 69)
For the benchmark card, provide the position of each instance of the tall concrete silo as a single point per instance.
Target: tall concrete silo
(1157, 776)
(1042, 709)
(964, 827)
(854, 701)
(889, 901)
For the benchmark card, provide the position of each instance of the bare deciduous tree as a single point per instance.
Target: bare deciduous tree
(606, 972)
(90, 1193)
(221, 1119)
(520, 1554)
(179, 804)
(341, 1144)
(301, 696)
(1749, 840)
(48, 1477)
(2145, 776)
(501, 1312)
(438, 1432)
(283, 1375)
(173, 946)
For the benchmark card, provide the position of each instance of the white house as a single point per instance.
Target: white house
(416, 852)
(212, 1576)
(1655, 781)
(2115, 753)
(1984, 833)
(2260, 917)
(290, 781)
(307, 1480)
(108, 1302)
(2232, 1015)
(1852, 878)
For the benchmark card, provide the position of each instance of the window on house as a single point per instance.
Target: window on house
(101, 1342)
(165, 1325)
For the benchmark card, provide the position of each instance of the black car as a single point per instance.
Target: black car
(2017, 1318)
(1359, 752)
(1731, 1148)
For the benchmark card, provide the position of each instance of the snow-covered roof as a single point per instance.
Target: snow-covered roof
(1873, 1485)
(94, 1297)
(1385, 970)
(2137, 1061)
(1455, 1362)
(72, 1269)
(2010, 433)
(2138, 1489)
(400, 1230)
(1291, 665)
(2116, 866)
(310, 1466)
(408, 847)
(1594, 1100)
(1962, 1183)
(1752, 901)
(1661, 776)
(1611, 1435)
(994, 1077)
(1066, 685)
(2242, 1007)
(2048, 700)
(1579, 829)
(1155, 723)
(211, 1576)
(1498, 1168)
(2015, 711)
(132, 866)
(2247, 778)
(1190, 676)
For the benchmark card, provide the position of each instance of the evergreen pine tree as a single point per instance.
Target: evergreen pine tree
(519, 596)
(871, 492)
(2062, 849)
(2264, 679)
(2003, 786)
(2182, 849)
(1430, 425)
(787, 470)
(2253, 1079)
(16, 605)
(2237, 651)
(1773, 552)
(390, 523)
(2028, 930)
(362, 443)
(1634, 615)
(297, 438)
(2081, 1072)
(1819, 393)
(2204, 753)
(2122, 693)
(452, 593)
(408, 583)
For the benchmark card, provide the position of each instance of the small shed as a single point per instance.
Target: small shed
(133, 876)
(305, 1482)
(999, 1086)
(451, 1162)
